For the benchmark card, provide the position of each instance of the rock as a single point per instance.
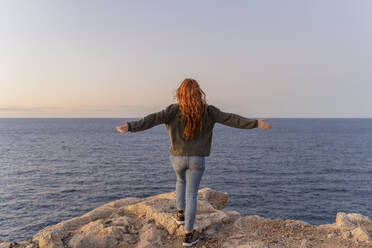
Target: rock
(304, 243)
(332, 235)
(217, 200)
(246, 220)
(5, 244)
(211, 230)
(361, 234)
(50, 239)
(157, 210)
(146, 222)
(150, 237)
(244, 244)
(84, 241)
(203, 221)
(51, 236)
(258, 244)
(354, 226)
(351, 220)
(346, 234)
(31, 246)
(160, 209)
(18, 244)
(105, 226)
(127, 223)
(105, 233)
(295, 222)
(253, 244)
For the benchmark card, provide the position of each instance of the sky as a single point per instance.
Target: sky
(259, 59)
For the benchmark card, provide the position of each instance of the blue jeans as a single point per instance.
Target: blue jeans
(189, 171)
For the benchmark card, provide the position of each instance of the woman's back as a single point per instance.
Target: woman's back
(200, 145)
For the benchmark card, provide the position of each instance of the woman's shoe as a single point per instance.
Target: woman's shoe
(178, 217)
(191, 240)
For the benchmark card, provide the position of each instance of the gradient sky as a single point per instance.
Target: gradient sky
(125, 58)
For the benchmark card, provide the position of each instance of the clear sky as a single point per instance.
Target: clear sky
(111, 58)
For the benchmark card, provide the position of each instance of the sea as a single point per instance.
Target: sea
(53, 169)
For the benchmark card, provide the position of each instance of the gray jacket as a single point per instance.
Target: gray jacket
(200, 145)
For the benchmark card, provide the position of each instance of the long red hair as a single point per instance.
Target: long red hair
(192, 105)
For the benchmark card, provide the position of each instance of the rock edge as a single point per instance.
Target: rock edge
(146, 222)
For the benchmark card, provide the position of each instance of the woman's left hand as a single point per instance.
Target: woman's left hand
(123, 128)
(263, 125)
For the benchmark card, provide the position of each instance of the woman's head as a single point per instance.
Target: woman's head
(192, 104)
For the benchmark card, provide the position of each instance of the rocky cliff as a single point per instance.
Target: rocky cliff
(146, 222)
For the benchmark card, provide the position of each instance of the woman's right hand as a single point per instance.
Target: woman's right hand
(262, 125)
(123, 128)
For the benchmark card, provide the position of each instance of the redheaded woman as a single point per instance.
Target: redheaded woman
(190, 124)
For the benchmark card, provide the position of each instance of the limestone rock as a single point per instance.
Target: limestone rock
(354, 226)
(217, 200)
(361, 234)
(147, 223)
(150, 237)
(244, 244)
(332, 235)
(351, 221)
(304, 243)
(5, 244)
(346, 234)
(52, 236)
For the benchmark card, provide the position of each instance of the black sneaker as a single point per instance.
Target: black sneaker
(179, 217)
(191, 239)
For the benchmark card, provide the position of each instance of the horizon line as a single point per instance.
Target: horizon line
(74, 117)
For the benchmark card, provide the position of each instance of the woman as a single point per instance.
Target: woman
(190, 125)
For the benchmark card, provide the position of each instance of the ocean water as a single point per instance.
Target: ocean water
(306, 169)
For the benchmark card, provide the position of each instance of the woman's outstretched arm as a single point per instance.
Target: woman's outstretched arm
(237, 121)
(149, 121)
